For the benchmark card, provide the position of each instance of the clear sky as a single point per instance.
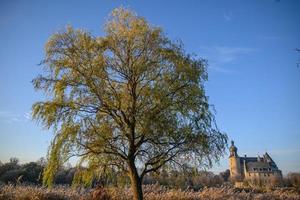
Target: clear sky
(254, 81)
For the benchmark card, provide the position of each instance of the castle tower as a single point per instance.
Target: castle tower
(234, 163)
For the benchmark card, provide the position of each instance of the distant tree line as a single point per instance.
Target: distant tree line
(13, 172)
(187, 178)
(31, 173)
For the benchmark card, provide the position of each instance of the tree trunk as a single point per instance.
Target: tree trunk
(136, 183)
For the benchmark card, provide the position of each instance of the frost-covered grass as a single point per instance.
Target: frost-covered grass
(152, 192)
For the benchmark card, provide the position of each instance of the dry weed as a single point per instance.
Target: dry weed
(151, 192)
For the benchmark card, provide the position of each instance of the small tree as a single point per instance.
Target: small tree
(32, 172)
(131, 100)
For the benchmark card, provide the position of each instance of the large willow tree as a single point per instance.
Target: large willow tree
(132, 100)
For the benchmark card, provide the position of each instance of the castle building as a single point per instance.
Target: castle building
(247, 168)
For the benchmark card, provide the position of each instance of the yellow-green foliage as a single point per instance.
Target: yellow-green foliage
(59, 150)
(130, 96)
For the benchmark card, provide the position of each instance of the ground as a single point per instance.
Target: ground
(152, 192)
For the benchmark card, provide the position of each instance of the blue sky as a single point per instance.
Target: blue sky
(254, 81)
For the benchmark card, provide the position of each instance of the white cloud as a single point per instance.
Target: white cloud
(227, 17)
(219, 56)
(27, 115)
(11, 117)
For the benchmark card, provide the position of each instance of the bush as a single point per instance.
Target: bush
(294, 179)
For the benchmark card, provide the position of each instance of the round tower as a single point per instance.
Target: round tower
(234, 163)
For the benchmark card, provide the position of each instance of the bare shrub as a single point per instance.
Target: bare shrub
(100, 193)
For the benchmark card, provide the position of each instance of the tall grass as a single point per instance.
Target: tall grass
(151, 192)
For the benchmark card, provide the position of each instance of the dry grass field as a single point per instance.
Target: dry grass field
(153, 192)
